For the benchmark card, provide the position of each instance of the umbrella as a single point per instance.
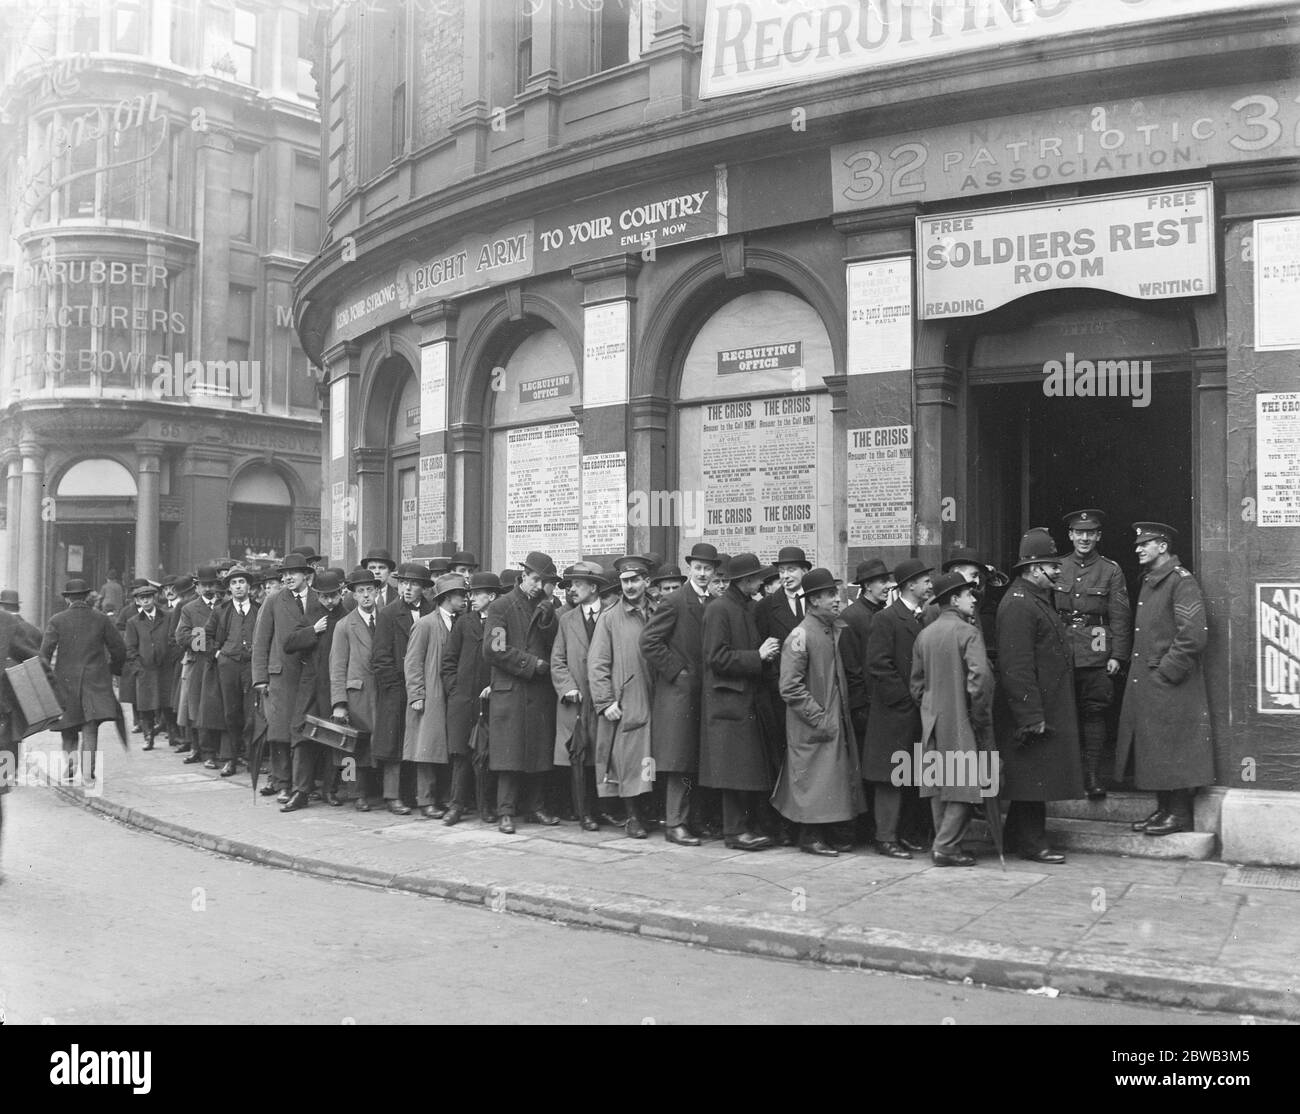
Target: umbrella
(992, 806)
(120, 722)
(258, 741)
(478, 738)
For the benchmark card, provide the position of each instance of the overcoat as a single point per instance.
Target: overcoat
(126, 682)
(312, 696)
(176, 659)
(820, 782)
(19, 640)
(426, 730)
(617, 673)
(953, 683)
(672, 645)
(86, 651)
(464, 675)
(1037, 686)
(735, 720)
(521, 714)
(388, 660)
(776, 619)
(858, 617)
(569, 672)
(1164, 723)
(894, 722)
(352, 677)
(274, 665)
(146, 652)
(202, 684)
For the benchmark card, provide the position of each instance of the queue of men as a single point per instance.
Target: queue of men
(734, 700)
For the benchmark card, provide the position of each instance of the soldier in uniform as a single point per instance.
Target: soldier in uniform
(1093, 603)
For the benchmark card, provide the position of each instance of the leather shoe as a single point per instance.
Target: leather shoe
(314, 795)
(1143, 824)
(398, 809)
(429, 812)
(540, 817)
(590, 824)
(892, 850)
(611, 820)
(1094, 788)
(454, 816)
(681, 834)
(283, 796)
(748, 841)
(636, 829)
(332, 798)
(1046, 855)
(488, 817)
(191, 758)
(184, 748)
(294, 803)
(709, 832)
(842, 848)
(506, 825)
(149, 743)
(362, 805)
(228, 770)
(267, 791)
(909, 845)
(819, 847)
(211, 764)
(942, 859)
(1166, 825)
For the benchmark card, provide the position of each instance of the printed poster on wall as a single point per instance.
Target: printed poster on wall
(1277, 648)
(338, 418)
(433, 499)
(604, 355)
(604, 503)
(1277, 446)
(759, 463)
(338, 526)
(410, 517)
(1277, 284)
(542, 492)
(880, 486)
(433, 388)
(880, 316)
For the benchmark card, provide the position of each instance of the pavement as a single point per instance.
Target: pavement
(1198, 935)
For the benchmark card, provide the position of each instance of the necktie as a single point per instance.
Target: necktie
(302, 604)
(798, 606)
(589, 620)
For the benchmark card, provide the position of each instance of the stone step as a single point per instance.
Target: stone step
(1117, 807)
(1109, 838)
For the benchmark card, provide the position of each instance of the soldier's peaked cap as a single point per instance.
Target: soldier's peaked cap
(1148, 530)
(1088, 519)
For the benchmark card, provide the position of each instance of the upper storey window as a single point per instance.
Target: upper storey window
(384, 86)
(118, 27)
(611, 28)
(243, 50)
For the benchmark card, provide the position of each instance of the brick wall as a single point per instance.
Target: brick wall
(439, 66)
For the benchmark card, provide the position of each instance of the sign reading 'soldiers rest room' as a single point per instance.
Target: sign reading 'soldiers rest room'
(751, 45)
(1078, 143)
(628, 220)
(1149, 244)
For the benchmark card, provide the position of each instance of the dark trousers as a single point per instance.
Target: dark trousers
(86, 740)
(281, 765)
(391, 772)
(1177, 801)
(951, 819)
(1026, 826)
(310, 760)
(677, 799)
(899, 810)
(740, 810)
(236, 681)
(582, 787)
(209, 742)
(518, 793)
(462, 782)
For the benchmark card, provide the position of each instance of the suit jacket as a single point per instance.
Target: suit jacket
(569, 672)
(275, 666)
(388, 661)
(352, 677)
(673, 647)
(895, 720)
(464, 675)
(857, 618)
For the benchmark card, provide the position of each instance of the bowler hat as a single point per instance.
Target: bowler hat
(948, 584)
(771, 575)
(743, 565)
(961, 555)
(541, 564)
(449, 582)
(76, 587)
(439, 566)
(630, 563)
(487, 581)
(413, 570)
(792, 555)
(360, 577)
(182, 584)
(1148, 530)
(308, 552)
(294, 562)
(1088, 519)
(667, 572)
(509, 578)
(326, 582)
(206, 574)
(873, 568)
(818, 580)
(464, 557)
(1037, 547)
(379, 555)
(9, 598)
(703, 551)
(909, 569)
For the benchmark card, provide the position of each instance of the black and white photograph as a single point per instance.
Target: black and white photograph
(650, 512)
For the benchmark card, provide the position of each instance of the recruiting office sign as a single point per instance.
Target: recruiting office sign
(1148, 244)
(1277, 648)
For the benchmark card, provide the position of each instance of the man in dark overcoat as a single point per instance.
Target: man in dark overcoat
(19, 640)
(277, 671)
(230, 632)
(673, 647)
(146, 654)
(894, 723)
(466, 677)
(176, 595)
(202, 689)
(127, 609)
(521, 628)
(353, 688)
(1035, 720)
(573, 689)
(873, 581)
(388, 661)
(1164, 724)
(86, 651)
(736, 730)
(12, 605)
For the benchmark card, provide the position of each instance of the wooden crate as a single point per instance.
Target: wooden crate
(35, 695)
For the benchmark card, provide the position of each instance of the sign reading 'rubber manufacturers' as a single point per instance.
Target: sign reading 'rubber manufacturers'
(1150, 244)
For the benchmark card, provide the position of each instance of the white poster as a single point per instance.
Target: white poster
(338, 418)
(433, 388)
(1277, 445)
(880, 316)
(604, 503)
(1277, 284)
(604, 354)
(542, 492)
(759, 463)
(1149, 244)
(338, 517)
(433, 499)
(410, 515)
(880, 486)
